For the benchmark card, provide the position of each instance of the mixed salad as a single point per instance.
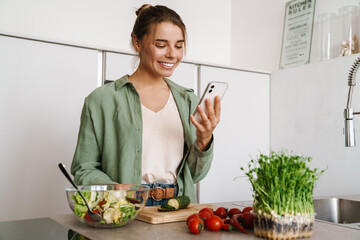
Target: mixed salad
(114, 206)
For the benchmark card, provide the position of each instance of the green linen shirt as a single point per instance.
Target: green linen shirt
(109, 143)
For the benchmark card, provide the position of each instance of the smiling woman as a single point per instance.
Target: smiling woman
(160, 52)
(140, 128)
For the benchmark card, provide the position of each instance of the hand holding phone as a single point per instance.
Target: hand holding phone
(212, 90)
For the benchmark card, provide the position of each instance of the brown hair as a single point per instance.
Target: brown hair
(148, 15)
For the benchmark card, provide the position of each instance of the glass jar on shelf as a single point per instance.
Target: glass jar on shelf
(326, 36)
(349, 25)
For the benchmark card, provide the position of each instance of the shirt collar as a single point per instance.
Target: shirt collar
(125, 79)
(121, 82)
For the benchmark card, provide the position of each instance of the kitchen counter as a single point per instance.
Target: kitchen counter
(179, 230)
(68, 225)
(141, 230)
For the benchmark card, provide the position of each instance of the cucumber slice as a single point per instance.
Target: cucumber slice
(175, 204)
(179, 202)
(165, 210)
(168, 207)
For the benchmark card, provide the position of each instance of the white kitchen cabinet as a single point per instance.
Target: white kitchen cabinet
(42, 91)
(243, 132)
(118, 65)
(186, 75)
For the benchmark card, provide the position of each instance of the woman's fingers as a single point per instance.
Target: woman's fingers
(205, 128)
(210, 110)
(213, 111)
(217, 107)
(205, 120)
(196, 123)
(209, 120)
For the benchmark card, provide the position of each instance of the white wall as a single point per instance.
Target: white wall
(257, 34)
(332, 5)
(257, 31)
(109, 23)
(307, 105)
(243, 34)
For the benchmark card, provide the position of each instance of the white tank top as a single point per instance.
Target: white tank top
(162, 143)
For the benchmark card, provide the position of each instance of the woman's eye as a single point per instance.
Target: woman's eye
(179, 47)
(160, 46)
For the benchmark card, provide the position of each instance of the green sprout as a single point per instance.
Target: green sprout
(282, 183)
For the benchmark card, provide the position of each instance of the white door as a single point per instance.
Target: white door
(42, 92)
(186, 75)
(243, 132)
(118, 65)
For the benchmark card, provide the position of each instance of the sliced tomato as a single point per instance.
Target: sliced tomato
(102, 203)
(87, 216)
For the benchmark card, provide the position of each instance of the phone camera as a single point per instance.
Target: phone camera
(212, 86)
(210, 90)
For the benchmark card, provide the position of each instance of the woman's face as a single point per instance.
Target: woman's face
(161, 50)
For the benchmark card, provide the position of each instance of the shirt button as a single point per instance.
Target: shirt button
(181, 189)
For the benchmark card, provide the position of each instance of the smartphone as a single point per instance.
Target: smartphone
(212, 90)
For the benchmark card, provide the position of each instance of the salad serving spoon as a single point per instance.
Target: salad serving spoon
(93, 215)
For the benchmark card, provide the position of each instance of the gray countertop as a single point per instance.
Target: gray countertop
(178, 230)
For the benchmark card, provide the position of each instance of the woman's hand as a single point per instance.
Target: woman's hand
(204, 129)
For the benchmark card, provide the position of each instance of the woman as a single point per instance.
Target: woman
(140, 128)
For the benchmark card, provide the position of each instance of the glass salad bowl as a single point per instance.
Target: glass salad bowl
(118, 204)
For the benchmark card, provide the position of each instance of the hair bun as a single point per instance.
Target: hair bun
(142, 8)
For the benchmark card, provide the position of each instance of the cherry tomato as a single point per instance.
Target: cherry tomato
(209, 210)
(247, 209)
(204, 215)
(221, 212)
(234, 211)
(191, 217)
(196, 225)
(214, 223)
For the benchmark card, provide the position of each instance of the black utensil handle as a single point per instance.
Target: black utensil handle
(63, 170)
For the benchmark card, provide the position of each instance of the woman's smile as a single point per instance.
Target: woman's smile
(167, 65)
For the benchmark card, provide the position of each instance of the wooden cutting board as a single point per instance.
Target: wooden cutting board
(152, 215)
